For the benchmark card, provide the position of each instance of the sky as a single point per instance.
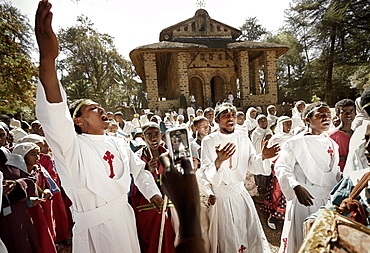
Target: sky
(136, 23)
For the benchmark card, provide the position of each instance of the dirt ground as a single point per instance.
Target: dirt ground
(273, 236)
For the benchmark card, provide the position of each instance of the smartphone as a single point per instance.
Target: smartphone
(178, 144)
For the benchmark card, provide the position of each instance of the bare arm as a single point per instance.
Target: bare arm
(48, 47)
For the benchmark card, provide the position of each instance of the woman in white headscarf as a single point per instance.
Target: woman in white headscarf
(271, 116)
(250, 119)
(297, 114)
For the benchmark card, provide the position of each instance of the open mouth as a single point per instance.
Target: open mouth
(104, 118)
(326, 123)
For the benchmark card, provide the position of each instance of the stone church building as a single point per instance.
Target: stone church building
(202, 56)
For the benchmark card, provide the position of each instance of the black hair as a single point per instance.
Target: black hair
(198, 119)
(25, 126)
(5, 126)
(342, 103)
(4, 118)
(72, 108)
(238, 113)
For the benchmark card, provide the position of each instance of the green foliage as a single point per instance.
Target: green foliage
(17, 75)
(251, 30)
(334, 35)
(91, 67)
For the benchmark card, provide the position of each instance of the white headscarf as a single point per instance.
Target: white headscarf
(259, 135)
(249, 121)
(271, 118)
(280, 137)
(279, 124)
(14, 160)
(23, 148)
(296, 115)
(34, 138)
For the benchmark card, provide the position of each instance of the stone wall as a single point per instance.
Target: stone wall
(205, 65)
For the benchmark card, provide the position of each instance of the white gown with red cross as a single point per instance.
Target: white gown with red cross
(238, 226)
(95, 174)
(312, 162)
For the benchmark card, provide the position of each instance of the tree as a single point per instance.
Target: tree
(251, 30)
(91, 66)
(17, 75)
(334, 34)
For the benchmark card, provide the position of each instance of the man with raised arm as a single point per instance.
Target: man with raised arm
(94, 168)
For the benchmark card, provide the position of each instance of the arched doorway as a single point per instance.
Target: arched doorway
(217, 90)
(196, 88)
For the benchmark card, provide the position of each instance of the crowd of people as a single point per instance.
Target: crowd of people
(81, 176)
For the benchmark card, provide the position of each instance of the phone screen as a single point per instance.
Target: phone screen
(178, 141)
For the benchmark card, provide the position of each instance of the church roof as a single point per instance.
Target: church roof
(199, 26)
(201, 31)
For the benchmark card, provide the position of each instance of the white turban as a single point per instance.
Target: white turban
(23, 148)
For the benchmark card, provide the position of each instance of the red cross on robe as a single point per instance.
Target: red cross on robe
(330, 152)
(108, 156)
(242, 249)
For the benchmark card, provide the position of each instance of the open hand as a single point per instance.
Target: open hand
(227, 151)
(270, 152)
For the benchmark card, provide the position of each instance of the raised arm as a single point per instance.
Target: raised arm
(48, 47)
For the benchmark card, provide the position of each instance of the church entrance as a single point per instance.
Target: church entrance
(217, 90)
(196, 88)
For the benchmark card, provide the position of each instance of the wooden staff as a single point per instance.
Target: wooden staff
(163, 220)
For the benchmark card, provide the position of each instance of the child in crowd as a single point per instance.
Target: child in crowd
(16, 230)
(297, 114)
(271, 116)
(261, 134)
(240, 119)
(250, 120)
(207, 197)
(61, 216)
(41, 215)
(148, 218)
(259, 137)
(307, 169)
(346, 111)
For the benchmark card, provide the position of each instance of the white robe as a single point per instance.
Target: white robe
(356, 159)
(305, 160)
(250, 122)
(208, 214)
(258, 136)
(238, 223)
(104, 221)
